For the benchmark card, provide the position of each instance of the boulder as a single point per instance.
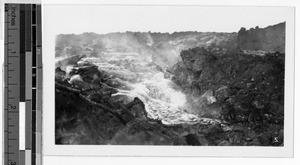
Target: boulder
(196, 59)
(222, 93)
(60, 75)
(75, 78)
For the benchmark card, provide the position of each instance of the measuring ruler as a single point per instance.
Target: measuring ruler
(23, 85)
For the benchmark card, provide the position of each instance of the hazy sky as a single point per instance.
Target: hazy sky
(104, 19)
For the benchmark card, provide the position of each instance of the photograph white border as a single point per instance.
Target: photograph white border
(49, 147)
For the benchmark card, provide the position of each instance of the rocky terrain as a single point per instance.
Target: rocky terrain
(247, 90)
(271, 38)
(184, 88)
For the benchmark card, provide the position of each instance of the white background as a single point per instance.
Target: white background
(49, 160)
(108, 18)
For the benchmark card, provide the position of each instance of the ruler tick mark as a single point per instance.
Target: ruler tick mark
(13, 111)
(8, 153)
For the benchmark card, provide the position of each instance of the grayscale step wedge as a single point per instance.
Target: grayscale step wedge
(23, 84)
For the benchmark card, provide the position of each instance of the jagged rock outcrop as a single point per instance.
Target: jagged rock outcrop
(271, 38)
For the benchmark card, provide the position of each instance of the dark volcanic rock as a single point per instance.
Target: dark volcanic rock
(192, 139)
(271, 38)
(137, 107)
(222, 93)
(142, 132)
(248, 89)
(196, 140)
(60, 75)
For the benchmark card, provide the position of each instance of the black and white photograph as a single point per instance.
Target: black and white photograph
(187, 87)
(171, 88)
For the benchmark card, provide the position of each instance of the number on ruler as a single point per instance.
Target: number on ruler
(13, 107)
(13, 163)
(38, 51)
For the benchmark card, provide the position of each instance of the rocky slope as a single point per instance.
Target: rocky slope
(89, 111)
(245, 90)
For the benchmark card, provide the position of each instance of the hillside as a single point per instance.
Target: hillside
(271, 38)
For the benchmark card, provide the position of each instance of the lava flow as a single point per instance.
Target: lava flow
(143, 79)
